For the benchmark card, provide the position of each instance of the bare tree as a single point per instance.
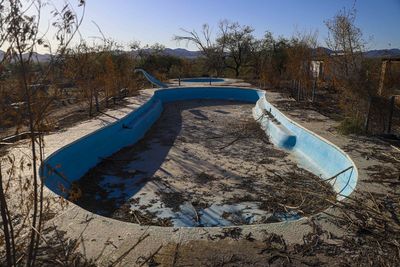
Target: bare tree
(20, 34)
(345, 39)
(270, 59)
(205, 42)
(300, 54)
(348, 66)
(236, 42)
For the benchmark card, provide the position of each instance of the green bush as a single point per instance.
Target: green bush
(351, 125)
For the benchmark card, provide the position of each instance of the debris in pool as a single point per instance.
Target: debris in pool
(178, 175)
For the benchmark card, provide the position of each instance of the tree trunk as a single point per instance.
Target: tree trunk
(391, 108)
(366, 124)
(33, 235)
(96, 99)
(6, 222)
(313, 90)
(298, 90)
(237, 72)
(90, 103)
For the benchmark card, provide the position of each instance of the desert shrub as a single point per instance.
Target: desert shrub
(351, 125)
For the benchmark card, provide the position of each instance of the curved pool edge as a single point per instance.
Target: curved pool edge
(144, 117)
(345, 183)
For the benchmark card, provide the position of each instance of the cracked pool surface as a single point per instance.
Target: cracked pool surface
(203, 163)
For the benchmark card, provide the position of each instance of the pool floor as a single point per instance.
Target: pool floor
(203, 163)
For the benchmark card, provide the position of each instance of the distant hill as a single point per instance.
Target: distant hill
(323, 50)
(383, 53)
(36, 56)
(177, 52)
(184, 53)
(181, 52)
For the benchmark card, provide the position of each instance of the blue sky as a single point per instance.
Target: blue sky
(151, 21)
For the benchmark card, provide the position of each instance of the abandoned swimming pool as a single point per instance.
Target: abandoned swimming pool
(313, 154)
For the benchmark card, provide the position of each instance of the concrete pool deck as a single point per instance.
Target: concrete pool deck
(109, 240)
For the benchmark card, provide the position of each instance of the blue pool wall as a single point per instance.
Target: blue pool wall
(72, 161)
(324, 158)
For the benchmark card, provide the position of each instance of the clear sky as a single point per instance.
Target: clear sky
(151, 21)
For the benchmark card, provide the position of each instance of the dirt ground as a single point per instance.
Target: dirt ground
(64, 114)
(204, 163)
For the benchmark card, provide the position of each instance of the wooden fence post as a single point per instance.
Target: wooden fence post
(298, 90)
(313, 90)
(366, 123)
(292, 88)
(391, 108)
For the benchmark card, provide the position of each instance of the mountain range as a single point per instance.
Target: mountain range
(184, 53)
(383, 53)
(36, 56)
